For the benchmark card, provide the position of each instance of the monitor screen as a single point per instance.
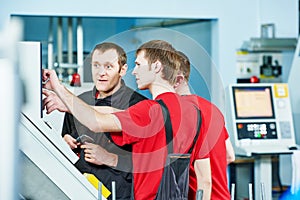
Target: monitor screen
(30, 70)
(253, 102)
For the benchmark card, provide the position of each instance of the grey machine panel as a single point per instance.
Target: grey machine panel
(47, 167)
(47, 162)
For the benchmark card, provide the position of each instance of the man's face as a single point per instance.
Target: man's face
(143, 73)
(106, 71)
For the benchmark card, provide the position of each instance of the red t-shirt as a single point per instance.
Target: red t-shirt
(213, 128)
(143, 127)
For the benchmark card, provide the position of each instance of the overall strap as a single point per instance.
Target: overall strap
(199, 121)
(168, 125)
(169, 130)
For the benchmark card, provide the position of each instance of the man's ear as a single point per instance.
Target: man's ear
(157, 66)
(179, 80)
(123, 70)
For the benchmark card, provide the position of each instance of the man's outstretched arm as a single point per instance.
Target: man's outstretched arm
(88, 116)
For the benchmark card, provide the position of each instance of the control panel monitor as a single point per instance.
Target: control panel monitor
(253, 102)
(260, 118)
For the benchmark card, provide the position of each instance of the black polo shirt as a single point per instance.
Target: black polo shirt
(121, 99)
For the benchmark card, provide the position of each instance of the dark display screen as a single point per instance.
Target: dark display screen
(253, 102)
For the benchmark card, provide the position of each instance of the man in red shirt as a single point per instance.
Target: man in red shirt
(142, 125)
(218, 146)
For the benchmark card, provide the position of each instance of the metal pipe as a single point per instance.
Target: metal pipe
(70, 40)
(113, 190)
(80, 46)
(50, 44)
(59, 41)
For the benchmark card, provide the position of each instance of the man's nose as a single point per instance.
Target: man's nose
(101, 70)
(134, 71)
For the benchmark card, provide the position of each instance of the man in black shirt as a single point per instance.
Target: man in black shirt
(108, 67)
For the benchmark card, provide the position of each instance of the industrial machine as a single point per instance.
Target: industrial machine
(267, 58)
(46, 160)
(267, 66)
(260, 123)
